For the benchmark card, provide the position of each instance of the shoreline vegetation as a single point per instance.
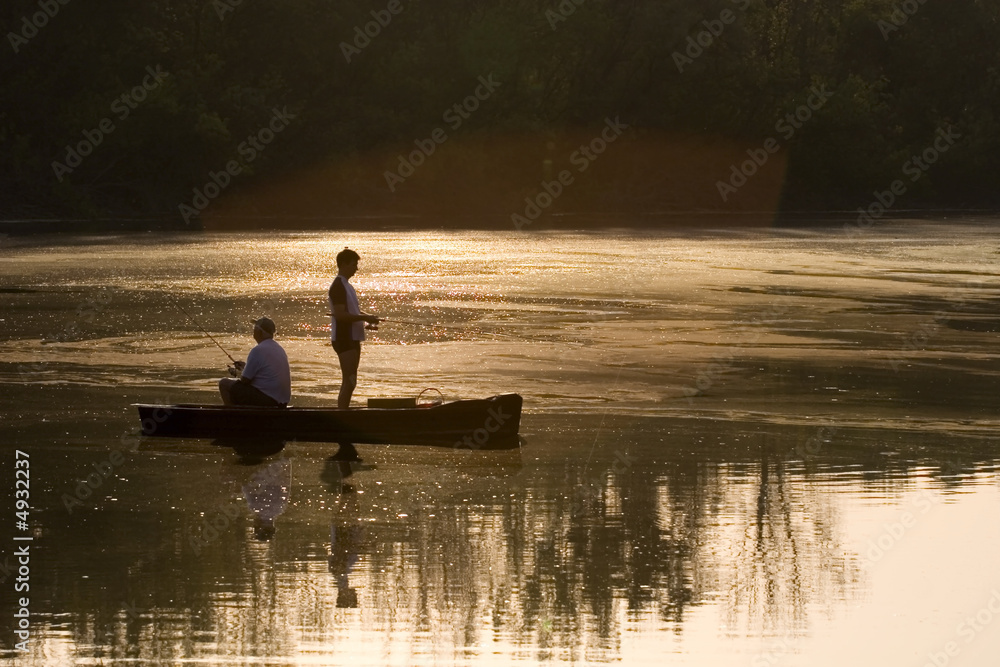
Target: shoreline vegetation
(688, 220)
(189, 116)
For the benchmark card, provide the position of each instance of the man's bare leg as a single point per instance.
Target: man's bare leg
(349, 362)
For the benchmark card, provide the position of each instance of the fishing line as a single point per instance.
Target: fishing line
(195, 322)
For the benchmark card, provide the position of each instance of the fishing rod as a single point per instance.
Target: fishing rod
(468, 329)
(416, 324)
(428, 325)
(201, 328)
(374, 327)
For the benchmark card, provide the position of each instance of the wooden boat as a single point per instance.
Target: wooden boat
(489, 423)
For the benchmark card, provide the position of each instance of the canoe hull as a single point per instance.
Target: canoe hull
(489, 423)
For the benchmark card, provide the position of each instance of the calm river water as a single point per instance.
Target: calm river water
(741, 447)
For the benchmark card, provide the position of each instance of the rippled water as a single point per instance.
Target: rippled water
(763, 447)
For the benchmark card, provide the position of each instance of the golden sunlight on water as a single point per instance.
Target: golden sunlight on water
(756, 448)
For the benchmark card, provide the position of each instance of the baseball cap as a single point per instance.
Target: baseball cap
(266, 324)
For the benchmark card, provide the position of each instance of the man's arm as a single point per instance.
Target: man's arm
(251, 368)
(341, 315)
(338, 301)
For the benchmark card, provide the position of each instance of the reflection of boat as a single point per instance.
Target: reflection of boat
(489, 423)
(251, 452)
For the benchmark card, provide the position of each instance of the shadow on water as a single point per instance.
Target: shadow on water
(251, 452)
(346, 452)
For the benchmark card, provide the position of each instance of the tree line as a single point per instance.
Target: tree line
(139, 109)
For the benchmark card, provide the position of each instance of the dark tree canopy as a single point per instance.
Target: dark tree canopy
(701, 86)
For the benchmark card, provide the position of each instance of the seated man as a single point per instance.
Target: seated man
(265, 379)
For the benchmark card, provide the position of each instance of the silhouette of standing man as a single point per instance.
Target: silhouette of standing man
(347, 328)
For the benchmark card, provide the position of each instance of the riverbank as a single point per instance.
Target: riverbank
(567, 221)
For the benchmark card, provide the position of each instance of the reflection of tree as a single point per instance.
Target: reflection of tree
(613, 551)
(559, 563)
(788, 557)
(640, 541)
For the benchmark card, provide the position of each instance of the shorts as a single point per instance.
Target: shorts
(247, 394)
(340, 346)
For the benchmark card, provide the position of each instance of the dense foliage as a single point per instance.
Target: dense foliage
(698, 83)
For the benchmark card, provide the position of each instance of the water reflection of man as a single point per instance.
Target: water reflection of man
(335, 474)
(267, 496)
(265, 379)
(346, 534)
(344, 543)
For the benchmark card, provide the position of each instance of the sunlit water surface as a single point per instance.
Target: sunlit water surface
(771, 447)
